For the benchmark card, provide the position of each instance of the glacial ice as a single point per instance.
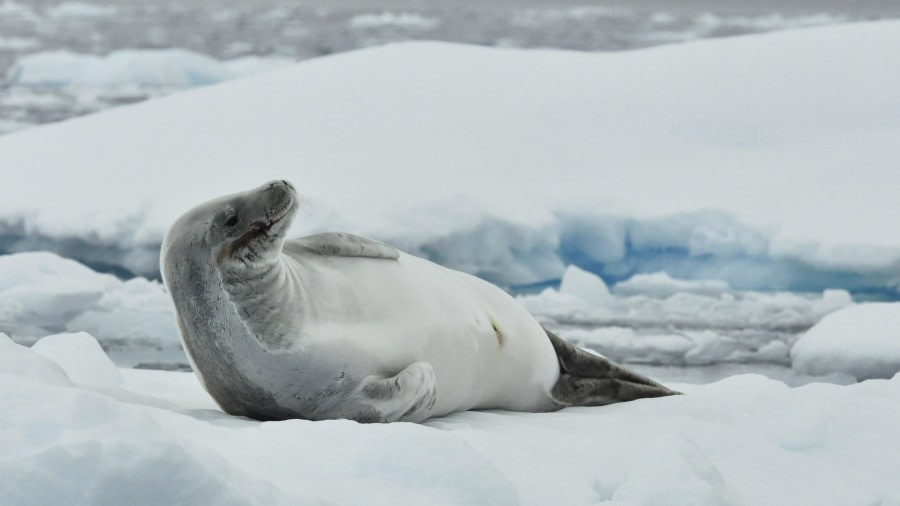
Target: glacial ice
(540, 162)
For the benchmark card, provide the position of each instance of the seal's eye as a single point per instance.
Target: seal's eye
(231, 221)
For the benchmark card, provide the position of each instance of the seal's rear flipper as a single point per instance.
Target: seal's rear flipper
(590, 380)
(406, 397)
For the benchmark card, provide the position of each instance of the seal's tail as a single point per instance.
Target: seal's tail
(590, 380)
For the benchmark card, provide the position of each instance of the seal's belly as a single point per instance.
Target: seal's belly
(378, 316)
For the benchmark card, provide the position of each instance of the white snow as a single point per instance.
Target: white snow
(249, 65)
(155, 439)
(18, 360)
(512, 164)
(862, 340)
(11, 126)
(81, 357)
(41, 293)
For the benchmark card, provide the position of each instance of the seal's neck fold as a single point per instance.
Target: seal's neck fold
(261, 294)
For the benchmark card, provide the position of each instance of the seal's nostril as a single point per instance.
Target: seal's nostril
(288, 184)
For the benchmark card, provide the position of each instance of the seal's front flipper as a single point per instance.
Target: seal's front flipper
(406, 397)
(342, 245)
(589, 380)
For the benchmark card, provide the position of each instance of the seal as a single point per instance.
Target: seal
(338, 326)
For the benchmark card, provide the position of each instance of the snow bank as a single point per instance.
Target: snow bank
(42, 294)
(81, 358)
(17, 360)
(513, 164)
(862, 340)
(154, 440)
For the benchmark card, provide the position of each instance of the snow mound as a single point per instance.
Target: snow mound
(154, 440)
(81, 357)
(862, 340)
(584, 286)
(42, 294)
(672, 471)
(18, 360)
(69, 446)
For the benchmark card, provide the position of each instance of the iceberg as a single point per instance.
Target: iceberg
(512, 164)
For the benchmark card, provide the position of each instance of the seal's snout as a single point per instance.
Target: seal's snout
(280, 183)
(279, 202)
(278, 197)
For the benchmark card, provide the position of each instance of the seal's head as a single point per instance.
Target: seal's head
(239, 231)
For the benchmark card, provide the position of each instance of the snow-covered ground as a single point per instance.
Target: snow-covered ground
(76, 430)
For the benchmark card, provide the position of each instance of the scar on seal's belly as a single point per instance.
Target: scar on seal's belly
(498, 333)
